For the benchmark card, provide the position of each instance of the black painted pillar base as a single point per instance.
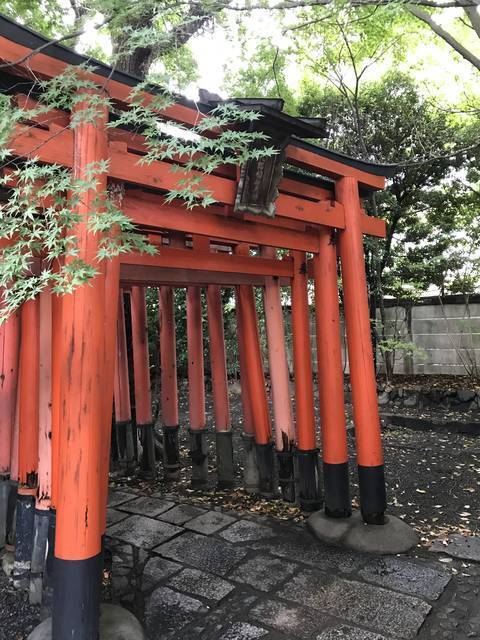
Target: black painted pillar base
(224, 448)
(148, 463)
(5, 488)
(39, 554)
(251, 475)
(266, 468)
(76, 598)
(336, 490)
(199, 457)
(286, 475)
(11, 514)
(48, 582)
(309, 494)
(23, 541)
(373, 494)
(171, 453)
(124, 444)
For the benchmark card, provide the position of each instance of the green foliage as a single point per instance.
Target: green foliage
(42, 213)
(48, 16)
(263, 74)
(429, 213)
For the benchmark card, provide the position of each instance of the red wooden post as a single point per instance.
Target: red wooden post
(56, 381)
(257, 390)
(111, 282)
(43, 498)
(251, 477)
(81, 468)
(168, 382)
(307, 454)
(141, 374)
(123, 412)
(196, 388)
(330, 378)
(280, 383)
(110, 277)
(9, 345)
(221, 404)
(57, 359)
(27, 441)
(368, 439)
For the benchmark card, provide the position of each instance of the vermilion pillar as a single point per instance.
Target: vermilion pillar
(257, 390)
(168, 381)
(123, 412)
(27, 441)
(330, 377)
(141, 373)
(221, 404)
(43, 498)
(251, 475)
(111, 282)
(9, 345)
(280, 382)
(360, 356)
(56, 381)
(57, 359)
(81, 468)
(45, 403)
(196, 387)
(302, 358)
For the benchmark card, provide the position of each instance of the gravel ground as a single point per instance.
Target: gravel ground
(17, 617)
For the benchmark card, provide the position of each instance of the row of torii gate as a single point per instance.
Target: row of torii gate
(64, 359)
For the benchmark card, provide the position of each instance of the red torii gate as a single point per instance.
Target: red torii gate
(209, 248)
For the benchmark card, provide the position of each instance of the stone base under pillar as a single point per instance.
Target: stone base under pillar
(116, 623)
(395, 536)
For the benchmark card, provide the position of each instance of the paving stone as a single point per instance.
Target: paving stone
(300, 546)
(416, 578)
(345, 632)
(286, 618)
(114, 516)
(143, 532)
(458, 546)
(209, 522)
(384, 611)
(263, 572)
(181, 513)
(147, 506)
(168, 611)
(199, 583)
(156, 569)
(246, 531)
(208, 554)
(116, 497)
(243, 631)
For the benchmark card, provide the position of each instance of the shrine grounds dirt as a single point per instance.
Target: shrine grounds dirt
(433, 484)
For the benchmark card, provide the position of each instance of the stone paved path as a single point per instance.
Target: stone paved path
(188, 572)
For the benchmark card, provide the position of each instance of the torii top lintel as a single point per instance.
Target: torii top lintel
(303, 200)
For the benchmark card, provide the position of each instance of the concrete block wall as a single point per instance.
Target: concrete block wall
(446, 336)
